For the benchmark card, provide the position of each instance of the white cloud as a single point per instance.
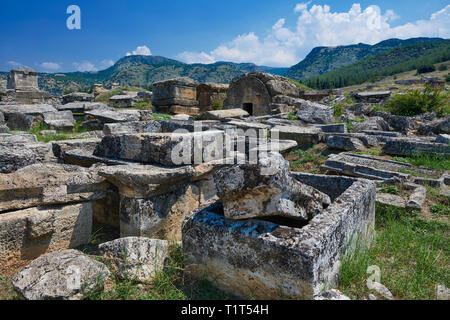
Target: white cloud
(142, 50)
(194, 57)
(50, 66)
(15, 64)
(301, 6)
(319, 26)
(106, 63)
(84, 66)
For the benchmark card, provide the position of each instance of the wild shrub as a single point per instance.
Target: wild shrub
(426, 68)
(416, 102)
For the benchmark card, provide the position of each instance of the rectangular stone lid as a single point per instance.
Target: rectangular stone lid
(373, 93)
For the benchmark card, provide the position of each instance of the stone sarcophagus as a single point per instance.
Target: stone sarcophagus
(179, 94)
(279, 257)
(24, 83)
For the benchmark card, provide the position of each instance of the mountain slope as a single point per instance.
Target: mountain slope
(324, 59)
(144, 70)
(386, 63)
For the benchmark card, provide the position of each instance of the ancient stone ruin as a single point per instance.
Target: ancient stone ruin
(23, 87)
(177, 95)
(218, 178)
(260, 93)
(211, 96)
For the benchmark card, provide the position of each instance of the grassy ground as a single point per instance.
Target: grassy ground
(309, 159)
(412, 253)
(169, 284)
(60, 135)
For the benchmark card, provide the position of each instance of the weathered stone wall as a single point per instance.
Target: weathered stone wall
(210, 93)
(29, 233)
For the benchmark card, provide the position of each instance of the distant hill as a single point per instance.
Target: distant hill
(386, 63)
(142, 71)
(324, 59)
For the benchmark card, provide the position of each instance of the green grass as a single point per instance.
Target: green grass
(308, 159)
(389, 189)
(142, 105)
(169, 284)
(412, 253)
(60, 135)
(370, 152)
(440, 210)
(161, 116)
(427, 160)
(104, 97)
(217, 105)
(292, 116)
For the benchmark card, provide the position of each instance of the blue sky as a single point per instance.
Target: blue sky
(274, 33)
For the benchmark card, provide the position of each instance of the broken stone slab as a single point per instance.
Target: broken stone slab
(382, 136)
(172, 125)
(2, 118)
(77, 96)
(58, 147)
(164, 148)
(304, 136)
(48, 132)
(28, 109)
(435, 183)
(299, 260)
(372, 124)
(21, 121)
(371, 96)
(81, 107)
(333, 128)
(360, 109)
(17, 138)
(89, 135)
(222, 115)
(344, 143)
(267, 189)
(244, 125)
(109, 116)
(443, 138)
(121, 101)
(281, 146)
(49, 183)
(136, 258)
(411, 147)
(417, 198)
(4, 128)
(19, 155)
(391, 200)
(131, 127)
(27, 234)
(366, 167)
(61, 275)
(313, 112)
(332, 294)
(141, 181)
(61, 120)
(85, 158)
